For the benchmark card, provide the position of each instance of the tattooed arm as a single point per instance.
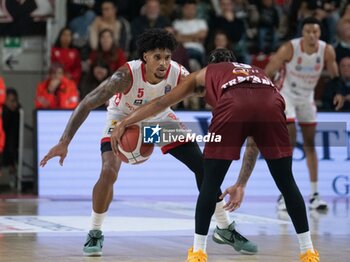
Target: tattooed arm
(236, 192)
(249, 160)
(119, 82)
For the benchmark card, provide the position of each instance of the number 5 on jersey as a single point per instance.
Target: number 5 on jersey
(140, 92)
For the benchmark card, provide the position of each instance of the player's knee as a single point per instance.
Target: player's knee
(109, 174)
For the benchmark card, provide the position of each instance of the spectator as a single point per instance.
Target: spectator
(220, 40)
(2, 133)
(180, 54)
(267, 26)
(342, 49)
(192, 32)
(168, 8)
(99, 71)
(11, 119)
(150, 19)
(108, 51)
(110, 20)
(345, 15)
(77, 8)
(335, 85)
(57, 91)
(80, 24)
(65, 54)
(233, 27)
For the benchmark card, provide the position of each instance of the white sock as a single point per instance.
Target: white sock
(97, 220)
(305, 242)
(314, 187)
(221, 215)
(200, 242)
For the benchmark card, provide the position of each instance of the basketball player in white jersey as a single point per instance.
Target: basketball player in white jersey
(301, 61)
(132, 85)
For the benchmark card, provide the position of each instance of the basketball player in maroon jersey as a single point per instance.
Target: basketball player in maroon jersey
(245, 102)
(153, 72)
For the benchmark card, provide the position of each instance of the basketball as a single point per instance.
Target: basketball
(131, 148)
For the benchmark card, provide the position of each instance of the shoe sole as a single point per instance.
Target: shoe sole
(93, 254)
(217, 239)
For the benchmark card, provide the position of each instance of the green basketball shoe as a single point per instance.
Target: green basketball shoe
(94, 243)
(230, 236)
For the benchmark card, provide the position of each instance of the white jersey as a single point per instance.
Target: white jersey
(141, 91)
(303, 72)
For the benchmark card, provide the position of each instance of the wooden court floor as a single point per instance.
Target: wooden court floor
(153, 230)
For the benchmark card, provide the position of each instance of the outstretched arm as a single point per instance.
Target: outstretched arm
(118, 82)
(236, 191)
(184, 89)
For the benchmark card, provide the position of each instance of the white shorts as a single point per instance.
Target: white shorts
(304, 111)
(166, 119)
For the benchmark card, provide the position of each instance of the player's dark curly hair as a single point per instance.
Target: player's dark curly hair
(153, 39)
(221, 55)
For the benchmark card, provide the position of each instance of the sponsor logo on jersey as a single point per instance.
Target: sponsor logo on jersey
(138, 102)
(299, 60)
(130, 107)
(167, 89)
(298, 67)
(240, 71)
(318, 60)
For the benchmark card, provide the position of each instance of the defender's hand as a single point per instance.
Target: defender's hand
(236, 194)
(61, 150)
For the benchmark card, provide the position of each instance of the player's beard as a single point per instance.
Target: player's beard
(159, 77)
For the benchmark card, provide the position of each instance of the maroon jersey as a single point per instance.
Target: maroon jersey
(225, 75)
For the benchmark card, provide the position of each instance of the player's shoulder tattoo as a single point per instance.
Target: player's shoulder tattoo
(120, 81)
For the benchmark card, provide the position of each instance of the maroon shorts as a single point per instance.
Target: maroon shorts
(249, 110)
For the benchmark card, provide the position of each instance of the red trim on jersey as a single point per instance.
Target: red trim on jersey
(179, 77)
(324, 56)
(132, 80)
(143, 72)
(308, 124)
(290, 120)
(301, 45)
(167, 72)
(105, 139)
(165, 149)
(290, 59)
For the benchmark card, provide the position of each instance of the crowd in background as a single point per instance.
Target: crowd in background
(100, 36)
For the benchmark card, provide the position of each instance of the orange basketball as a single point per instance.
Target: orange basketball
(131, 148)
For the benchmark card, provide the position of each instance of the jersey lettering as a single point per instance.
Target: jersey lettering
(140, 92)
